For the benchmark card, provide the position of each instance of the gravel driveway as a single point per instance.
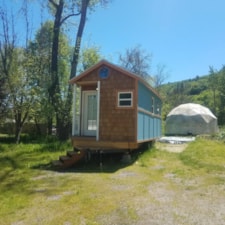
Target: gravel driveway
(173, 201)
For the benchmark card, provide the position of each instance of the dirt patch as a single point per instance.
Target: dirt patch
(176, 206)
(176, 148)
(170, 202)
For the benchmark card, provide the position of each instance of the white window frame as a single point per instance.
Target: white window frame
(125, 99)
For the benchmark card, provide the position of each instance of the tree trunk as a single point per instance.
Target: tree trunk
(18, 134)
(63, 129)
(18, 128)
(37, 125)
(63, 122)
(49, 127)
(76, 52)
(54, 88)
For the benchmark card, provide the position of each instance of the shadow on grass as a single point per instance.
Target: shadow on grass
(105, 162)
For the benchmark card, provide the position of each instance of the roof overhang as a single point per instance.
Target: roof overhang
(77, 79)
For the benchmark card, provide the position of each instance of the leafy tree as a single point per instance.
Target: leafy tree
(89, 57)
(63, 117)
(221, 89)
(213, 85)
(25, 91)
(3, 94)
(40, 49)
(20, 84)
(2, 97)
(16, 67)
(49, 74)
(7, 53)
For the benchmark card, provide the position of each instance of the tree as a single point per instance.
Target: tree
(20, 81)
(7, 46)
(221, 85)
(20, 85)
(137, 61)
(3, 94)
(213, 85)
(40, 49)
(161, 75)
(89, 57)
(61, 109)
(2, 97)
(63, 117)
(83, 12)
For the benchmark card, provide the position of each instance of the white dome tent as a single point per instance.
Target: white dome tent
(191, 119)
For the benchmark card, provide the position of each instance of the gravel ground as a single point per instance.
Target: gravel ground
(176, 202)
(170, 200)
(194, 206)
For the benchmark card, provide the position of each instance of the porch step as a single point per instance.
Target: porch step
(57, 163)
(64, 158)
(72, 153)
(69, 160)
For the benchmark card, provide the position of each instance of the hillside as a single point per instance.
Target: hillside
(202, 90)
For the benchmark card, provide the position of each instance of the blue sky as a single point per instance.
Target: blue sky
(187, 36)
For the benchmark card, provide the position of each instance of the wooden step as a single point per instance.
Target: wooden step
(57, 163)
(69, 160)
(64, 158)
(71, 153)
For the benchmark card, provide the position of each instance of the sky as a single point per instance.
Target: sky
(187, 36)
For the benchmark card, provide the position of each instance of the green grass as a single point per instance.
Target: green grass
(205, 154)
(30, 193)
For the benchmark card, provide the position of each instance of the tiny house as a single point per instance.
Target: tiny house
(113, 109)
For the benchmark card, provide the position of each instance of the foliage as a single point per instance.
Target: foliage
(221, 135)
(61, 15)
(206, 90)
(88, 57)
(40, 48)
(40, 76)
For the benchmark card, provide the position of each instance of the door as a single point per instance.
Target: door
(89, 121)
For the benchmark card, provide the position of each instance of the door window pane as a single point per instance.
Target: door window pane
(92, 112)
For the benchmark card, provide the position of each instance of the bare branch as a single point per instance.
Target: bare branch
(67, 17)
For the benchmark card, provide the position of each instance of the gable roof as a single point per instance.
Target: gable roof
(115, 67)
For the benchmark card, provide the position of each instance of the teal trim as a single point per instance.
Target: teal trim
(149, 127)
(144, 97)
(140, 132)
(148, 123)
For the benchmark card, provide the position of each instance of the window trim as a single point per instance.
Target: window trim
(119, 100)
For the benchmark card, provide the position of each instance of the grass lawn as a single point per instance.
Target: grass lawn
(146, 191)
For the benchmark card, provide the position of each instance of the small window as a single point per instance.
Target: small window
(125, 99)
(158, 109)
(153, 103)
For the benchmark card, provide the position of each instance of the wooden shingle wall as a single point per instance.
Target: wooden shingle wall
(116, 124)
